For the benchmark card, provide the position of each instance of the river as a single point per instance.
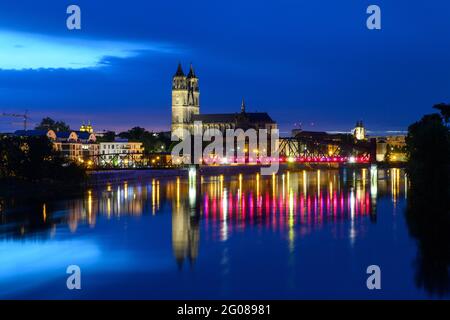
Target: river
(295, 235)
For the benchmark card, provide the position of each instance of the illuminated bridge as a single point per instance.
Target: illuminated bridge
(308, 149)
(320, 147)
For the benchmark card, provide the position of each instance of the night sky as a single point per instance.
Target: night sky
(308, 62)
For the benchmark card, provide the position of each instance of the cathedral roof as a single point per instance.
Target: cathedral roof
(214, 118)
(259, 117)
(179, 72)
(252, 117)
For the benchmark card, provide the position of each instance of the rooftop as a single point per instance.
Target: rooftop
(253, 117)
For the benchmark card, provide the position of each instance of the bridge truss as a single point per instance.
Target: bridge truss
(309, 150)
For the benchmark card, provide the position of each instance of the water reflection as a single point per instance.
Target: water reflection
(201, 220)
(185, 222)
(428, 220)
(225, 205)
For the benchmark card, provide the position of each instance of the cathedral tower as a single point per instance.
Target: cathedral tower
(185, 99)
(359, 132)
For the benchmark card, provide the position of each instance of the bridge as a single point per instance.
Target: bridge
(325, 148)
(307, 149)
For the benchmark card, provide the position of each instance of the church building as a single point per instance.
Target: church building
(186, 109)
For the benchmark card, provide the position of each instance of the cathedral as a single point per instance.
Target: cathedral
(186, 109)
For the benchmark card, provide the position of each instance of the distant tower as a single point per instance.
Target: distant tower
(243, 106)
(359, 132)
(87, 128)
(185, 99)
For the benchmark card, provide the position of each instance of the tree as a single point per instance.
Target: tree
(137, 133)
(152, 141)
(108, 136)
(428, 210)
(444, 109)
(50, 124)
(34, 159)
(428, 147)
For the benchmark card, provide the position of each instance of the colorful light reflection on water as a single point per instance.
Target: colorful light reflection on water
(297, 234)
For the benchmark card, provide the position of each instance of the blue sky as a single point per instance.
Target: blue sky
(305, 62)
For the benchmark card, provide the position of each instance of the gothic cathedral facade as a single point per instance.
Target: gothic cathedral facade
(186, 110)
(185, 99)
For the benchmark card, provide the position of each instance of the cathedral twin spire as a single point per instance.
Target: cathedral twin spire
(185, 96)
(194, 87)
(180, 72)
(183, 82)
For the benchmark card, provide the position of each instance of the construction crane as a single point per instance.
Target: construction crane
(24, 116)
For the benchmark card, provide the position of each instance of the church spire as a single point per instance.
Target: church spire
(179, 72)
(243, 106)
(191, 73)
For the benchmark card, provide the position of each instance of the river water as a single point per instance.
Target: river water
(294, 235)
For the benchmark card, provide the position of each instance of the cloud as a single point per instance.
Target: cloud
(22, 51)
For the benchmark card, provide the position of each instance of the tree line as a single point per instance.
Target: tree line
(33, 159)
(428, 207)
